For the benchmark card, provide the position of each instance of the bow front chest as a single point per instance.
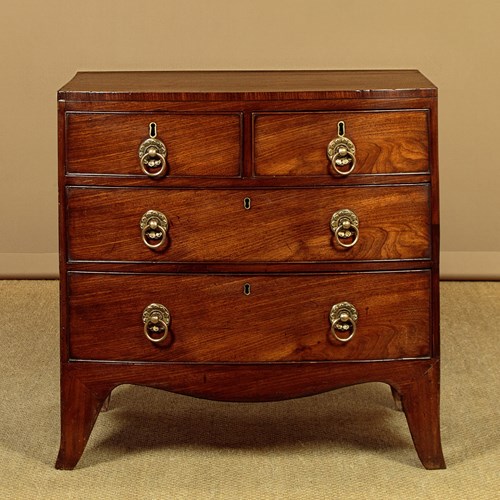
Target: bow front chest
(249, 236)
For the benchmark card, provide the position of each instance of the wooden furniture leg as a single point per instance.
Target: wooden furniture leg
(420, 400)
(106, 404)
(397, 399)
(80, 406)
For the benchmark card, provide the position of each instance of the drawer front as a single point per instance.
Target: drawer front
(197, 144)
(283, 318)
(386, 142)
(261, 225)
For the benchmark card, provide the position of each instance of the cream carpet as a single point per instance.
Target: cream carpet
(345, 444)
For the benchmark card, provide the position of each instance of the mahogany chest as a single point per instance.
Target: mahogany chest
(249, 236)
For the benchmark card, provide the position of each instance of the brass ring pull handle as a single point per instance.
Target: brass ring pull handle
(345, 225)
(153, 159)
(153, 155)
(342, 152)
(154, 226)
(343, 317)
(156, 319)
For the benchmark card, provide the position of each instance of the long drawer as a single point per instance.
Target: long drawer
(260, 225)
(249, 318)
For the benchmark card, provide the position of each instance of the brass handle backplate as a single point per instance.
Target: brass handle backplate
(345, 226)
(153, 154)
(156, 319)
(342, 152)
(343, 317)
(154, 227)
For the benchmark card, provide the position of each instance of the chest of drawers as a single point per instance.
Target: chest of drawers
(249, 236)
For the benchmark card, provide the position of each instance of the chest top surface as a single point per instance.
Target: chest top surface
(246, 85)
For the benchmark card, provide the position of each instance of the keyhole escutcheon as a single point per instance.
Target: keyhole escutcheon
(152, 130)
(247, 203)
(341, 129)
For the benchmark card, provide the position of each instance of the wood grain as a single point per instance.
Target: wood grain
(261, 135)
(285, 318)
(197, 144)
(88, 384)
(296, 143)
(288, 225)
(420, 400)
(246, 85)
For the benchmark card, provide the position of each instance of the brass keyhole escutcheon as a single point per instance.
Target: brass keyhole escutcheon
(247, 289)
(153, 154)
(341, 152)
(247, 203)
(152, 130)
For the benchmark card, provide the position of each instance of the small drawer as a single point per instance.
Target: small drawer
(385, 142)
(200, 145)
(253, 318)
(238, 225)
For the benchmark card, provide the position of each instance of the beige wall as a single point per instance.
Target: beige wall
(453, 42)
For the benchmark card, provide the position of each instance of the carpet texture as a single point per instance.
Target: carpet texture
(350, 443)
